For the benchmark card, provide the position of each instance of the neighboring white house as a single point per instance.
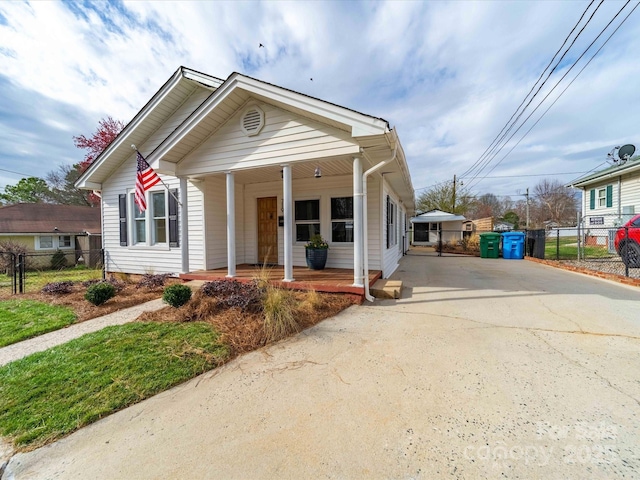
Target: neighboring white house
(428, 226)
(611, 196)
(256, 169)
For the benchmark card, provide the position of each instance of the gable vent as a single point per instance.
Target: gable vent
(252, 121)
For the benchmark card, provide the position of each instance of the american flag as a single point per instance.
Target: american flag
(145, 179)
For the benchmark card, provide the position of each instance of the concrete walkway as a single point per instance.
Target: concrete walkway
(58, 337)
(484, 369)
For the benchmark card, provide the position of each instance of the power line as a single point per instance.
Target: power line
(555, 86)
(534, 85)
(570, 83)
(17, 173)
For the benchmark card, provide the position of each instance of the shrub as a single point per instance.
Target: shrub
(6, 260)
(279, 318)
(100, 293)
(232, 293)
(176, 295)
(151, 281)
(57, 288)
(58, 260)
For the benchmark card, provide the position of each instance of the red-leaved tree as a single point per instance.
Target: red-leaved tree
(108, 129)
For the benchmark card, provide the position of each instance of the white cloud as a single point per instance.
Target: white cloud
(447, 74)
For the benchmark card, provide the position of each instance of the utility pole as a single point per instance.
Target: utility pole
(454, 194)
(527, 195)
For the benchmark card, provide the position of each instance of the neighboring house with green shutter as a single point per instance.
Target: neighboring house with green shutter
(611, 196)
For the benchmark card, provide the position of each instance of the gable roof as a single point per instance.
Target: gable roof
(631, 166)
(164, 103)
(370, 133)
(46, 218)
(437, 216)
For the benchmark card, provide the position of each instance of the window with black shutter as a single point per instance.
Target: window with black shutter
(122, 203)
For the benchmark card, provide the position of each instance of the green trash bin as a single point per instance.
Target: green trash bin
(490, 245)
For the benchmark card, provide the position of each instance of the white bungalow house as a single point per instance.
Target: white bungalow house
(256, 170)
(429, 226)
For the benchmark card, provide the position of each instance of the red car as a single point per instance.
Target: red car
(627, 242)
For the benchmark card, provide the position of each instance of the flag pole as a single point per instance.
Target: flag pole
(162, 181)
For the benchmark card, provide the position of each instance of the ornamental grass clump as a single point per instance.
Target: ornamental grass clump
(99, 293)
(176, 295)
(279, 314)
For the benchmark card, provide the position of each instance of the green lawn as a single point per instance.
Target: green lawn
(568, 249)
(22, 319)
(47, 395)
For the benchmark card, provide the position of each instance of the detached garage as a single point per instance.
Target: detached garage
(428, 227)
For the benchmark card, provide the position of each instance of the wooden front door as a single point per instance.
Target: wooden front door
(268, 230)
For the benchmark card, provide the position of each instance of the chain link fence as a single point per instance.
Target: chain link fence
(29, 272)
(599, 244)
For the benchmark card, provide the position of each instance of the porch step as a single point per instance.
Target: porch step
(387, 289)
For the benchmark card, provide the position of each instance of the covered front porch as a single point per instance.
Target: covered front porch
(330, 280)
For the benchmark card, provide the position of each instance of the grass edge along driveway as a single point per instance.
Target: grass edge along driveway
(24, 319)
(50, 394)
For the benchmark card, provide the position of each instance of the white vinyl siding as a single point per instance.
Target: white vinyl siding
(215, 208)
(392, 254)
(134, 258)
(286, 137)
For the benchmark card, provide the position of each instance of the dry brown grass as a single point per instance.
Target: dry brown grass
(244, 331)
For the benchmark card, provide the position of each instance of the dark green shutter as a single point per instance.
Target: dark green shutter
(173, 219)
(122, 204)
(592, 200)
(609, 196)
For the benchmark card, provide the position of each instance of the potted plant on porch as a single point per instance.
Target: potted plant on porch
(316, 252)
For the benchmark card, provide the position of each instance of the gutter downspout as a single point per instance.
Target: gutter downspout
(365, 227)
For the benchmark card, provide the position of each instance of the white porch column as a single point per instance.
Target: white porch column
(287, 196)
(184, 225)
(231, 226)
(358, 236)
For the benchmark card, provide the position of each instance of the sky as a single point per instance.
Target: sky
(446, 75)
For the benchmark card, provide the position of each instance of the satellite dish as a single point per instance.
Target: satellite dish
(625, 152)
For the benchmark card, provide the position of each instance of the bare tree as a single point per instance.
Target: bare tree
(554, 202)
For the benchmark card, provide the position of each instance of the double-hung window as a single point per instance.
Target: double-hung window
(392, 235)
(602, 197)
(307, 214)
(64, 241)
(342, 219)
(45, 242)
(157, 225)
(158, 218)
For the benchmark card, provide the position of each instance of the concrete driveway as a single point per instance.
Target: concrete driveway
(484, 369)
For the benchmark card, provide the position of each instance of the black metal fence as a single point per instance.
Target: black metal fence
(28, 272)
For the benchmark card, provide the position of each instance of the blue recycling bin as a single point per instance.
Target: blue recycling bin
(513, 245)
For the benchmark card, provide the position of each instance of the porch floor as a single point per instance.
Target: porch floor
(332, 280)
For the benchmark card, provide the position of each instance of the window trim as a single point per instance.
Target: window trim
(297, 222)
(149, 221)
(40, 247)
(601, 199)
(341, 220)
(70, 247)
(391, 223)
